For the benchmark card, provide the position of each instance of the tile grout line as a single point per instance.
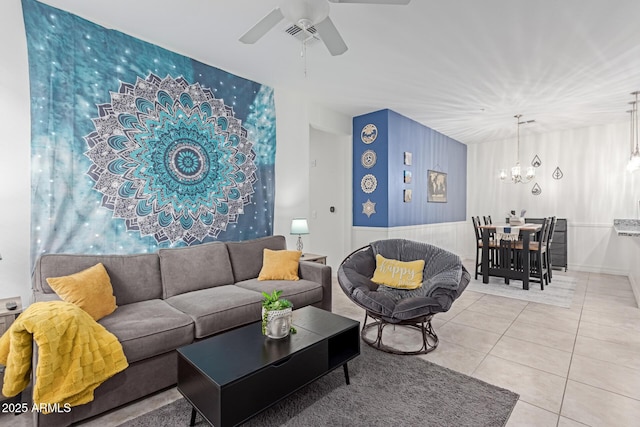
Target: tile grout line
(566, 382)
(501, 335)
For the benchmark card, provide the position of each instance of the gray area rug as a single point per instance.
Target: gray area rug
(385, 390)
(559, 292)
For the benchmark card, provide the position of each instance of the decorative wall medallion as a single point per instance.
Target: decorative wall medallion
(369, 133)
(171, 159)
(368, 183)
(557, 174)
(536, 190)
(536, 162)
(369, 158)
(368, 208)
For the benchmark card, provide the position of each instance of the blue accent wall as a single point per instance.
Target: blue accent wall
(380, 195)
(430, 150)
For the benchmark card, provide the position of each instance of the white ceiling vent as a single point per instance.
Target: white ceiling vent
(298, 33)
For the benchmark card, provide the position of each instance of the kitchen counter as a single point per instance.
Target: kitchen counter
(627, 227)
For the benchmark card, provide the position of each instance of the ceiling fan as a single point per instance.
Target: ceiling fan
(309, 15)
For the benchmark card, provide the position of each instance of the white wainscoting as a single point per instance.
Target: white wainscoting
(449, 235)
(596, 248)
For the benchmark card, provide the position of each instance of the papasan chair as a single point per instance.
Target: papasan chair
(444, 278)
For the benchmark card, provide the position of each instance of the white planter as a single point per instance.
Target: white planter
(278, 323)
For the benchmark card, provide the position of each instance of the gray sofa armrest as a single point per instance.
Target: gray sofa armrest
(318, 273)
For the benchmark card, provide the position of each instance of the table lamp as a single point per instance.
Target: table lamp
(299, 226)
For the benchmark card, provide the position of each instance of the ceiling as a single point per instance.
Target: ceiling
(461, 67)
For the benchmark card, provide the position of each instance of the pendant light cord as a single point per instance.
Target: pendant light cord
(517, 116)
(635, 117)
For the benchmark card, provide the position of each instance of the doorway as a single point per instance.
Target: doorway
(329, 195)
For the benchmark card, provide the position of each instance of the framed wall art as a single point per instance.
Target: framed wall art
(407, 177)
(407, 158)
(437, 187)
(407, 195)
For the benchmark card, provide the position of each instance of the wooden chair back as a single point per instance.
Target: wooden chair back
(476, 229)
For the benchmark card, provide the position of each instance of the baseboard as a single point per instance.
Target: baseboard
(597, 269)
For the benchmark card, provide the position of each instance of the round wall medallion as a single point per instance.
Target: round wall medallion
(369, 158)
(368, 183)
(369, 133)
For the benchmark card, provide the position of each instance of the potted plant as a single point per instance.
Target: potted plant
(276, 315)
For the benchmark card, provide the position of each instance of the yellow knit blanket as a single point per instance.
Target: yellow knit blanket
(75, 354)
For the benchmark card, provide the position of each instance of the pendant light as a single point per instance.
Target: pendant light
(516, 171)
(634, 159)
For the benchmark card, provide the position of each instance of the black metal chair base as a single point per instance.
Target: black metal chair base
(423, 324)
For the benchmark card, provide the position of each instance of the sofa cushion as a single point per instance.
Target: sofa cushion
(194, 268)
(149, 328)
(89, 289)
(217, 309)
(246, 257)
(133, 277)
(280, 265)
(300, 292)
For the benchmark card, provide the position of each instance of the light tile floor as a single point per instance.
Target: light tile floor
(572, 367)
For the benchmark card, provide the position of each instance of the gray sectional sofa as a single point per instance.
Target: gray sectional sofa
(172, 298)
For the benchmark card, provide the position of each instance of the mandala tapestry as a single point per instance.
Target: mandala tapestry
(136, 148)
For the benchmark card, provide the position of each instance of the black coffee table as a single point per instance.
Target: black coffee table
(233, 376)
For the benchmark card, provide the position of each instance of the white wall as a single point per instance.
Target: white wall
(15, 191)
(292, 174)
(595, 189)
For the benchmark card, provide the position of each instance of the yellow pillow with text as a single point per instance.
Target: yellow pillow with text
(279, 265)
(89, 289)
(398, 274)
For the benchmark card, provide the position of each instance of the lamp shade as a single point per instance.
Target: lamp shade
(299, 226)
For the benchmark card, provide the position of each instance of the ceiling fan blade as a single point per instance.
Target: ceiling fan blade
(399, 2)
(262, 27)
(331, 37)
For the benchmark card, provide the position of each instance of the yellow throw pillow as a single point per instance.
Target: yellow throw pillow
(279, 265)
(398, 274)
(89, 289)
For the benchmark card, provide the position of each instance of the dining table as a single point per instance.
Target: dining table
(507, 232)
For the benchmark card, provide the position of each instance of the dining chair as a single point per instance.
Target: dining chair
(479, 246)
(547, 258)
(508, 259)
(538, 251)
(487, 220)
(478, 233)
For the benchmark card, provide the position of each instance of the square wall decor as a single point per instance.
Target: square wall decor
(437, 187)
(407, 158)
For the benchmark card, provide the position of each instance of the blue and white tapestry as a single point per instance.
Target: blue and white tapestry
(136, 148)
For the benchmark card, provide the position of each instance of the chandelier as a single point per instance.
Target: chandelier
(516, 171)
(634, 159)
